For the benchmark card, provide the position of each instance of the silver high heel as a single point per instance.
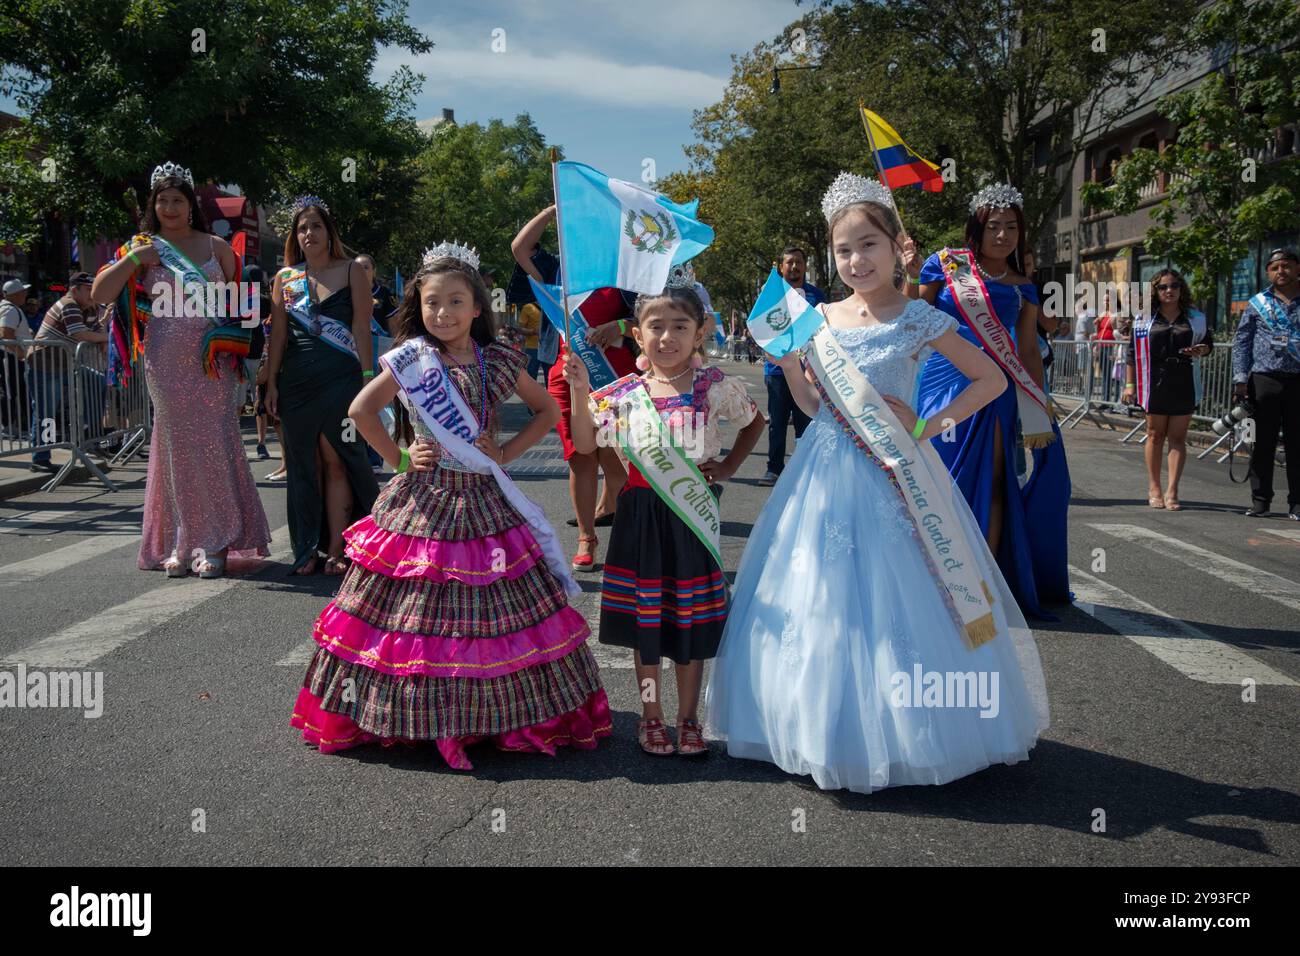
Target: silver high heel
(176, 568)
(216, 568)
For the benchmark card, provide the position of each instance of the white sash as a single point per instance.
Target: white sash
(973, 303)
(426, 390)
(666, 468)
(922, 481)
(332, 331)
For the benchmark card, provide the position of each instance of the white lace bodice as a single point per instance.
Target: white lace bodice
(890, 354)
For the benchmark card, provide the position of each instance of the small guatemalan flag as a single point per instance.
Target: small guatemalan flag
(782, 320)
(616, 233)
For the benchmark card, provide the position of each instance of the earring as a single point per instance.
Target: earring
(643, 363)
(697, 362)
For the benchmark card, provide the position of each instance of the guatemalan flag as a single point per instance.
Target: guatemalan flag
(620, 234)
(782, 320)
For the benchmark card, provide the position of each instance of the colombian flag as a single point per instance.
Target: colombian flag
(898, 165)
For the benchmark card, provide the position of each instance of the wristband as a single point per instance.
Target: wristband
(622, 327)
(918, 428)
(368, 373)
(131, 256)
(405, 461)
(912, 281)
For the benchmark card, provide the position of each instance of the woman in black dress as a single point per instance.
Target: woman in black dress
(320, 344)
(1161, 377)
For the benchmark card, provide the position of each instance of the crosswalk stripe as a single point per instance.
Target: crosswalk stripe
(16, 523)
(86, 641)
(1182, 646)
(32, 569)
(299, 656)
(1287, 533)
(1252, 579)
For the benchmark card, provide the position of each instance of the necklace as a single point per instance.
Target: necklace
(669, 381)
(991, 278)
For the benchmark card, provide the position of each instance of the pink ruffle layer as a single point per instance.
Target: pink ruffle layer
(581, 728)
(403, 653)
(480, 561)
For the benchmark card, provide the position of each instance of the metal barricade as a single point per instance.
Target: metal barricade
(44, 406)
(119, 418)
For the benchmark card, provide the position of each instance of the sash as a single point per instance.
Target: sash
(128, 320)
(298, 304)
(922, 481)
(973, 304)
(225, 335)
(1142, 354)
(599, 371)
(1277, 325)
(425, 389)
(666, 468)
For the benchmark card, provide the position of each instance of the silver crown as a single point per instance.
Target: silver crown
(167, 171)
(850, 188)
(997, 196)
(451, 250)
(302, 202)
(681, 276)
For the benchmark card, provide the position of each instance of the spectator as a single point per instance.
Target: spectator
(47, 363)
(12, 326)
(781, 407)
(385, 303)
(1266, 369)
(34, 312)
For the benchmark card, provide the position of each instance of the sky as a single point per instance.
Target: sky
(614, 83)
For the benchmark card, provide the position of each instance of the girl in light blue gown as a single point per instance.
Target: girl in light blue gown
(835, 611)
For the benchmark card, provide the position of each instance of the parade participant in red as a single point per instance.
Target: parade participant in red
(606, 313)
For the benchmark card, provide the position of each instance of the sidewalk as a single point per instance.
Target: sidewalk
(16, 478)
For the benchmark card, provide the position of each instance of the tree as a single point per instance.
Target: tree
(1219, 196)
(274, 95)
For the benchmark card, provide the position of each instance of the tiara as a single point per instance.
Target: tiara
(170, 171)
(997, 196)
(850, 188)
(451, 250)
(681, 276)
(302, 202)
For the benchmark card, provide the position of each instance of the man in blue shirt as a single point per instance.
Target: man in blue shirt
(781, 407)
(1266, 366)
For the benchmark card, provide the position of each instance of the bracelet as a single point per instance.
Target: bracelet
(405, 461)
(918, 428)
(911, 281)
(368, 373)
(622, 327)
(132, 257)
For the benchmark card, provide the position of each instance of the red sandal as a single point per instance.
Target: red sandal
(652, 735)
(585, 562)
(690, 739)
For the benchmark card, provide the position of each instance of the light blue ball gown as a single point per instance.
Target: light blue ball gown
(833, 599)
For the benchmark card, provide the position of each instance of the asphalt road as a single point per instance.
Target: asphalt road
(1144, 674)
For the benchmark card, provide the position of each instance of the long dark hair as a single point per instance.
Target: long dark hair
(1184, 293)
(293, 253)
(975, 234)
(149, 221)
(409, 322)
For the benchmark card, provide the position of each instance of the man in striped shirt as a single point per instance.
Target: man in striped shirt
(47, 364)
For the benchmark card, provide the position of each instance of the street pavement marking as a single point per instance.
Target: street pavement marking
(1182, 646)
(1283, 533)
(32, 569)
(86, 641)
(1252, 579)
(299, 656)
(27, 519)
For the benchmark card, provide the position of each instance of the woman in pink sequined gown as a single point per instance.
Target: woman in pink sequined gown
(201, 504)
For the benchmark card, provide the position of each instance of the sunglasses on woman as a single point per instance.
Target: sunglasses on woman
(1169, 287)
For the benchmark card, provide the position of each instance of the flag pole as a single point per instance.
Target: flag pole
(559, 232)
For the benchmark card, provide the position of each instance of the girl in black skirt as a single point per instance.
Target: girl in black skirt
(1161, 378)
(663, 594)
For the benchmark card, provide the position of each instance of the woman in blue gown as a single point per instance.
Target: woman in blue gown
(1025, 527)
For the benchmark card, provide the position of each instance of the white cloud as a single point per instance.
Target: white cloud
(647, 85)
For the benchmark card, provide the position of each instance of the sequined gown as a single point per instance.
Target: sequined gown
(450, 627)
(199, 493)
(833, 600)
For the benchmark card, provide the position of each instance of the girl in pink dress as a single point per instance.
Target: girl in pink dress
(201, 505)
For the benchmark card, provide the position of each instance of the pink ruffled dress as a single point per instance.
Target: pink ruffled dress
(449, 626)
